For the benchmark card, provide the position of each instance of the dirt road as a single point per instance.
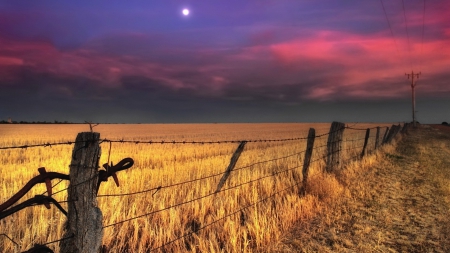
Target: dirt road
(401, 203)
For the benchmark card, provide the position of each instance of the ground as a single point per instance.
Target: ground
(400, 203)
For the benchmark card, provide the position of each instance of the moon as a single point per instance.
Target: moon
(185, 12)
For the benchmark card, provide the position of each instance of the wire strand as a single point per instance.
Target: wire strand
(407, 34)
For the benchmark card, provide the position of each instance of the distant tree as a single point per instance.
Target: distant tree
(445, 123)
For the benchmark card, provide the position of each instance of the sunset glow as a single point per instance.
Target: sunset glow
(268, 59)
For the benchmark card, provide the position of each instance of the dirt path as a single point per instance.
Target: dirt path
(401, 203)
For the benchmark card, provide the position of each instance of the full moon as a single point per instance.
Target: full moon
(185, 12)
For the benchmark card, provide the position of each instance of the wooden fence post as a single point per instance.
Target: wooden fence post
(397, 130)
(307, 160)
(230, 167)
(392, 133)
(405, 128)
(84, 218)
(385, 136)
(334, 146)
(377, 139)
(366, 140)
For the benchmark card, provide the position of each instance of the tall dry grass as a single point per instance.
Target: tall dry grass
(251, 230)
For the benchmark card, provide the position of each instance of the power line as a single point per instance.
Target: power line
(423, 32)
(390, 27)
(407, 33)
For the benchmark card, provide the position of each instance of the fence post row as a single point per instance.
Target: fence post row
(83, 230)
(307, 159)
(84, 218)
(334, 146)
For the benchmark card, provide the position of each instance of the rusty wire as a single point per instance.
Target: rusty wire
(44, 177)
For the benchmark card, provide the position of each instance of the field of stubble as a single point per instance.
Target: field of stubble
(261, 174)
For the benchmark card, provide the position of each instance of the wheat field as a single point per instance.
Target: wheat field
(259, 202)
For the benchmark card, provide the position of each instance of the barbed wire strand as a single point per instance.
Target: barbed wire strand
(164, 142)
(201, 178)
(228, 215)
(40, 145)
(194, 199)
(5, 235)
(208, 195)
(76, 185)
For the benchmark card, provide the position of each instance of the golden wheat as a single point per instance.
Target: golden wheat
(252, 229)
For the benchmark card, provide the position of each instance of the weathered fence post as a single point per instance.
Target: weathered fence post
(385, 135)
(397, 129)
(84, 218)
(366, 140)
(377, 139)
(307, 160)
(334, 146)
(230, 167)
(392, 133)
(405, 128)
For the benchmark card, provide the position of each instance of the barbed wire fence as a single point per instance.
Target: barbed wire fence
(86, 156)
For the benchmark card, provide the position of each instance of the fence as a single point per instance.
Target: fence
(84, 229)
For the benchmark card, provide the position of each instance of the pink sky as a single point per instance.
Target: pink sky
(348, 54)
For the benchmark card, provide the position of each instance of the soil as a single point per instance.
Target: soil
(401, 203)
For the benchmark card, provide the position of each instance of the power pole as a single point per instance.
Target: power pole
(413, 85)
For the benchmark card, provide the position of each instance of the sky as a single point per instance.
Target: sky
(227, 61)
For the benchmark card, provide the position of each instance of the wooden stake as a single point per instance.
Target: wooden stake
(307, 160)
(233, 162)
(366, 140)
(334, 146)
(377, 139)
(84, 219)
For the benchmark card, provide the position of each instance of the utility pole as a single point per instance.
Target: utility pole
(413, 85)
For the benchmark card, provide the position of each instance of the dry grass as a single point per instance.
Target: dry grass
(253, 230)
(395, 201)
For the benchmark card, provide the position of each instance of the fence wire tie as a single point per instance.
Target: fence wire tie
(48, 182)
(157, 190)
(37, 200)
(86, 145)
(44, 177)
(111, 170)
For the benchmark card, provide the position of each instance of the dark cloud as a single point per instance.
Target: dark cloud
(229, 61)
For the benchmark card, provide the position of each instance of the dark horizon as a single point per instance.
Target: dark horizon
(227, 61)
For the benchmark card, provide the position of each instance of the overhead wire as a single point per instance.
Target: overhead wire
(407, 34)
(390, 27)
(423, 35)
